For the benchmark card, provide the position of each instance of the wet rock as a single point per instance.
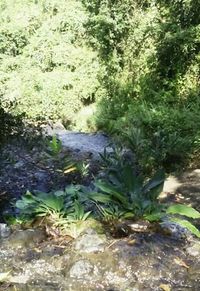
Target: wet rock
(83, 269)
(41, 176)
(174, 229)
(5, 230)
(42, 180)
(20, 279)
(194, 273)
(118, 282)
(26, 238)
(194, 249)
(90, 242)
(19, 164)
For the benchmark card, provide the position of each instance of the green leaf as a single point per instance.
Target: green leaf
(72, 189)
(183, 210)
(156, 216)
(109, 189)
(26, 200)
(86, 215)
(59, 193)
(55, 145)
(51, 201)
(156, 181)
(128, 177)
(128, 215)
(100, 197)
(187, 225)
(78, 209)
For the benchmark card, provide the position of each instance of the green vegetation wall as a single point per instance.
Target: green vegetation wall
(47, 70)
(151, 54)
(138, 61)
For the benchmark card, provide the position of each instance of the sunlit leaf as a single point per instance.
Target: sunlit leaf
(100, 197)
(70, 169)
(183, 210)
(181, 263)
(188, 225)
(154, 216)
(165, 287)
(105, 187)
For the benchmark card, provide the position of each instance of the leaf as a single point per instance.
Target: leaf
(72, 189)
(51, 201)
(181, 263)
(55, 145)
(128, 215)
(156, 216)
(86, 215)
(70, 169)
(187, 225)
(100, 197)
(26, 200)
(78, 210)
(154, 193)
(128, 177)
(136, 190)
(183, 210)
(59, 193)
(165, 287)
(156, 181)
(115, 195)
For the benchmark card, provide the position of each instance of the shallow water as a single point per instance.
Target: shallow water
(138, 262)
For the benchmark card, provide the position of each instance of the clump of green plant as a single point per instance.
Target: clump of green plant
(64, 210)
(124, 195)
(131, 193)
(55, 146)
(83, 168)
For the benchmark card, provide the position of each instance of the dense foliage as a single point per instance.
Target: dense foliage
(47, 70)
(150, 50)
(136, 61)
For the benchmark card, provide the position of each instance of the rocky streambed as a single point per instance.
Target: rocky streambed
(96, 261)
(34, 259)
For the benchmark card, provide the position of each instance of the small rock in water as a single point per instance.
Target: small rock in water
(174, 229)
(82, 269)
(19, 165)
(90, 242)
(5, 230)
